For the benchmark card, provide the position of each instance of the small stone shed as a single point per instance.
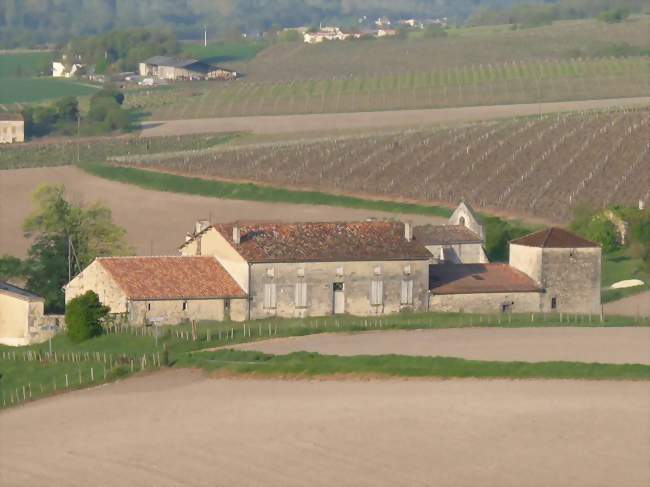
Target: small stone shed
(21, 315)
(163, 290)
(482, 288)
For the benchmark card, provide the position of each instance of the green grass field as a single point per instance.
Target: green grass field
(248, 191)
(24, 64)
(30, 90)
(622, 265)
(303, 364)
(220, 52)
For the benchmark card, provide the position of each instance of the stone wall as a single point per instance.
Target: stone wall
(171, 312)
(529, 302)
(95, 278)
(470, 253)
(573, 277)
(12, 131)
(320, 277)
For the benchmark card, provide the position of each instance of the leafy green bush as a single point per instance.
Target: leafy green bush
(614, 15)
(593, 225)
(84, 315)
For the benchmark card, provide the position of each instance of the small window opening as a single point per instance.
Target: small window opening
(148, 306)
(184, 305)
(462, 220)
(553, 303)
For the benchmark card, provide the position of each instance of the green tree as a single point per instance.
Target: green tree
(593, 225)
(64, 230)
(67, 108)
(11, 268)
(614, 15)
(84, 315)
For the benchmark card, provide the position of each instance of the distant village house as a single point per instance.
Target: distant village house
(12, 128)
(183, 69)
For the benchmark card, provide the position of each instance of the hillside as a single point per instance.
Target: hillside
(541, 166)
(477, 46)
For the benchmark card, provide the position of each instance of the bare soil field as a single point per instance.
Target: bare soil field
(374, 120)
(604, 345)
(637, 305)
(180, 428)
(155, 221)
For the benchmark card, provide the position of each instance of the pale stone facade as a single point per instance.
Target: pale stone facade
(12, 129)
(571, 277)
(95, 278)
(525, 302)
(397, 286)
(22, 317)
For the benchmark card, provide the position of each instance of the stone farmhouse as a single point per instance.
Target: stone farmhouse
(183, 69)
(246, 271)
(12, 128)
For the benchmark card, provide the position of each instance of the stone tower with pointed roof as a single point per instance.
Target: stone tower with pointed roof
(567, 267)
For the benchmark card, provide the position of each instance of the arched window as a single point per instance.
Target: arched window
(462, 220)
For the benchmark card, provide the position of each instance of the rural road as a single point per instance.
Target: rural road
(181, 428)
(373, 120)
(573, 344)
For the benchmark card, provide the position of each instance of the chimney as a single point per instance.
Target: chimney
(188, 237)
(408, 231)
(236, 234)
(201, 225)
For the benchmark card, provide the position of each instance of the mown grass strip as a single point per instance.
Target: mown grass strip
(249, 191)
(313, 365)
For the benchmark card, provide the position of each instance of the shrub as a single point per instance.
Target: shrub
(83, 316)
(614, 15)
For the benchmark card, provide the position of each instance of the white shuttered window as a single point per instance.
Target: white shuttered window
(301, 295)
(407, 292)
(269, 295)
(377, 293)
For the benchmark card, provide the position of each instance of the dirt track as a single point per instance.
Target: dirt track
(606, 345)
(373, 120)
(180, 428)
(156, 222)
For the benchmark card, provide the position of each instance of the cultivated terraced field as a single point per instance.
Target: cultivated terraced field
(469, 85)
(541, 166)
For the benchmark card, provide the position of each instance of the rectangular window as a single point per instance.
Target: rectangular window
(148, 306)
(301, 295)
(553, 303)
(184, 305)
(269, 296)
(407, 292)
(377, 293)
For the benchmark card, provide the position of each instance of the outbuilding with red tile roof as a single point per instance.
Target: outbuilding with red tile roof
(163, 290)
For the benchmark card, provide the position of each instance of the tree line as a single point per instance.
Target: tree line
(25, 23)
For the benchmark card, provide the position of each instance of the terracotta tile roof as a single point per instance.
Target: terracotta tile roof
(171, 277)
(554, 237)
(445, 235)
(324, 242)
(479, 278)
(11, 117)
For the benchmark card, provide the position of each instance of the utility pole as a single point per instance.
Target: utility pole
(78, 135)
(205, 36)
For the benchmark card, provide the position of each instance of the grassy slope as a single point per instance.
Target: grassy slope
(220, 52)
(24, 64)
(619, 266)
(248, 191)
(27, 90)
